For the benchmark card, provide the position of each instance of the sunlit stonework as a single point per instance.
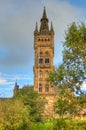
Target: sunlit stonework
(43, 55)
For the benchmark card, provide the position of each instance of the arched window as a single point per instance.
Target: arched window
(40, 88)
(40, 59)
(47, 88)
(47, 61)
(40, 74)
(39, 39)
(47, 58)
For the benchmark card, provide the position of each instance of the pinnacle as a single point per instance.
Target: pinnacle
(44, 13)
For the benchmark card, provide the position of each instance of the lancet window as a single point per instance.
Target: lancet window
(47, 58)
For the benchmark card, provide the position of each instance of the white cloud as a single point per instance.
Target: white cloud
(14, 76)
(2, 81)
(10, 79)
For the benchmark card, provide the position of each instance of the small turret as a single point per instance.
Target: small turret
(36, 29)
(16, 88)
(51, 29)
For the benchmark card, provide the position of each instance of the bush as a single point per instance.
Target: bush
(65, 124)
(59, 124)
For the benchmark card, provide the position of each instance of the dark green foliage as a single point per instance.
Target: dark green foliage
(33, 101)
(22, 111)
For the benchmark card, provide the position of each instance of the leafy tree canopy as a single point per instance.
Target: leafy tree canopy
(69, 76)
(73, 70)
(22, 111)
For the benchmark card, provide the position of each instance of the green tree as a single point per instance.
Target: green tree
(21, 111)
(69, 76)
(73, 70)
(33, 101)
(74, 56)
(14, 114)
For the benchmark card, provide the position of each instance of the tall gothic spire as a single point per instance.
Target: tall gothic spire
(44, 14)
(44, 28)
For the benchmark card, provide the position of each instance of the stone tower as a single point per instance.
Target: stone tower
(43, 55)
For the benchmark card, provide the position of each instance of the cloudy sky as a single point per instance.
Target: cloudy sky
(17, 24)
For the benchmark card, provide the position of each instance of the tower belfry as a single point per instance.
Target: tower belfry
(43, 55)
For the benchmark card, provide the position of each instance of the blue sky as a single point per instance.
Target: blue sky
(17, 24)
